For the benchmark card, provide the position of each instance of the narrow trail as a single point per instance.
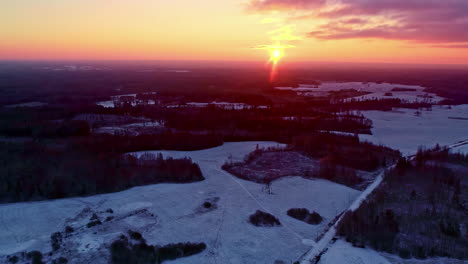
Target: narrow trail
(233, 178)
(310, 257)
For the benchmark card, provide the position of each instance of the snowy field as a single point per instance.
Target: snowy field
(375, 91)
(167, 213)
(135, 102)
(224, 105)
(344, 252)
(402, 129)
(129, 129)
(462, 149)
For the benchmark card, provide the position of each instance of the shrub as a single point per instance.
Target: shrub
(260, 218)
(60, 260)
(174, 251)
(69, 229)
(93, 223)
(123, 252)
(135, 235)
(304, 215)
(56, 240)
(35, 256)
(94, 217)
(13, 259)
(207, 205)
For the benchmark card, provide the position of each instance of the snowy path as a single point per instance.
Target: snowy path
(324, 242)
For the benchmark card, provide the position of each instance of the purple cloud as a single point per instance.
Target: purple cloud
(419, 21)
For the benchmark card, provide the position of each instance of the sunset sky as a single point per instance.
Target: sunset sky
(399, 31)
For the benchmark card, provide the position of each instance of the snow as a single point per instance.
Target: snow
(375, 90)
(324, 242)
(462, 149)
(110, 103)
(224, 105)
(178, 218)
(344, 252)
(133, 128)
(403, 130)
(29, 225)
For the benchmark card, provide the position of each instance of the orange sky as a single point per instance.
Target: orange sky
(187, 30)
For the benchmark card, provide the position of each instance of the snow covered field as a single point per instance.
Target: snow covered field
(375, 91)
(344, 252)
(174, 214)
(129, 129)
(134, 102)
(462, 149)
(224, 105)
(402, 129)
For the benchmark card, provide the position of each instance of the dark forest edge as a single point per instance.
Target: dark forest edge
(33, 171)
(419, 211)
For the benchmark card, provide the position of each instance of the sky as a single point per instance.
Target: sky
(391, 31)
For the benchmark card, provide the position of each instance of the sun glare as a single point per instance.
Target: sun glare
(276, 53)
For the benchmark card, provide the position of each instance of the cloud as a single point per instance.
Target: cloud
(418, 21)
(283, 5)
(451, 46)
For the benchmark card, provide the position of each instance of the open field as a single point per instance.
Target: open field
(405, 130)
(371, 91)
(170, 213)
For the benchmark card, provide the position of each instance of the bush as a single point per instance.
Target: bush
(135, 235)
(174, 251)
(124, 252)
(60, 260)
(93, 223)
(207, 205)
(263, 219)
(304, 215)
(56, 240)
(13, 259)
(35, 256)
(94, 217)
(69, 229)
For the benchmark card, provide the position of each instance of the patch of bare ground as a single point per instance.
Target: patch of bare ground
(270, 166)
(265, 166)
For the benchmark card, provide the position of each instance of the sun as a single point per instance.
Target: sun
(276, 54)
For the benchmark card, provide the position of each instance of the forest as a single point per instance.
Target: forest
(37, 171)
(419, 211)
